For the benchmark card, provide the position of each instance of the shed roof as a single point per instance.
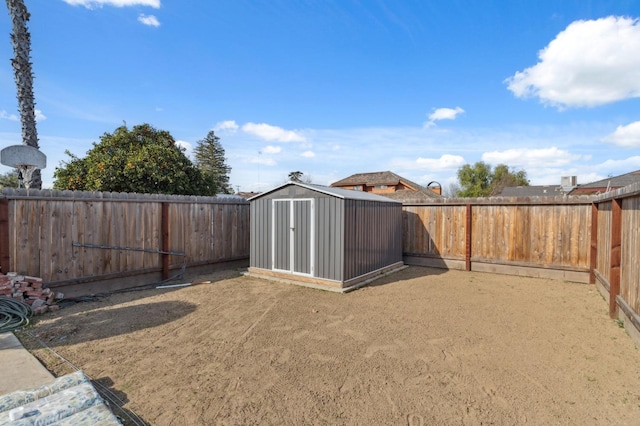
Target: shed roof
(346, 194)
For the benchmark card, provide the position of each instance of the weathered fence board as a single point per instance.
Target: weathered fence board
(604, 239)
(630, 260)
(82, 237)
(534, 235)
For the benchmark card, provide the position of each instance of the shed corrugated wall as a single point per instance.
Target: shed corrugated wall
(352, 237)
(373, 236)
(329, 237)
(260, 241)
(328, 230)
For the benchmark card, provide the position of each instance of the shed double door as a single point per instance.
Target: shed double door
(292, 239)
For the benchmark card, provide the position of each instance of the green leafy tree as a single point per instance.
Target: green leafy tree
(9, 179)
(480, 180)
(503, 177)
(210, 160)
(143, 160)
(23, 75)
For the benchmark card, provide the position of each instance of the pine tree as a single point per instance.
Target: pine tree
(210, 159)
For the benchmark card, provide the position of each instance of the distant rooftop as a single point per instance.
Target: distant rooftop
(614, 181)
(531, 191)
(416, 193)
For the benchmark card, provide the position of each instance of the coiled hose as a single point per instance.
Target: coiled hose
(13, 314)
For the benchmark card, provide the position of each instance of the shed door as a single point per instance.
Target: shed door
(293, 236)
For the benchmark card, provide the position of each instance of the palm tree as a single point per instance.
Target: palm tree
(21, 41)
(295, 176)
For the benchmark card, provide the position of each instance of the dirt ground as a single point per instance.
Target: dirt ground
(420, 347)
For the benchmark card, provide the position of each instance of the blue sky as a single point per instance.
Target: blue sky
(333, 88)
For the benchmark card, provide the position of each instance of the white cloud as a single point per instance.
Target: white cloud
(627, 136)
(267, 161)
(613, 167)
(269, 149)
(229, 125)
(590, 63)
(148, 20)
(186, 146)
(445, 162)
(92, 4)
(530, 157)
(308, 154)
(273, 133)
(13, 117)
(443, 114)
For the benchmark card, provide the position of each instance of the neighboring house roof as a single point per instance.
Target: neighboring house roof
(247, 195)
(531, 191)
(608, 183)
(375, 178)
(387, 178)
(346, 194)
(407, 196)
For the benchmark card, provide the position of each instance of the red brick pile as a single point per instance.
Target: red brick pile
(29, 290)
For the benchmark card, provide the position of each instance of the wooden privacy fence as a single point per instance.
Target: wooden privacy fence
(545, 237)
(584, 239)
(615, 253)
(71, 238)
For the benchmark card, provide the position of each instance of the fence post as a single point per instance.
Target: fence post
(5, 257)
(593, 260)
(616, 247)
(467, 257)
(166, 246)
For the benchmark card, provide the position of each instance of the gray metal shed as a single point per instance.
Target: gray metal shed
(322, 236)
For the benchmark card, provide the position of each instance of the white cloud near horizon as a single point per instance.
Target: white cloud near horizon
(443, 114)
(531, 157)
(308, 154)
(229, 125)
(93, 4)
(272, 133)
(267, 161)
(612, 166)
(590, 63)
(186, 146)
(148, 20)
(12, 117)
(269, 149)
(445, 162)
(626, 136)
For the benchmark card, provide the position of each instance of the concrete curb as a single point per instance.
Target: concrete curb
(19, 369)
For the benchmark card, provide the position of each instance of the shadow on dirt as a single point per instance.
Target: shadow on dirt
(116, 399)
(86, 322)
(406, 274)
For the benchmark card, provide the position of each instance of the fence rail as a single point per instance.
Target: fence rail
(534, 236)
(68, 237)
(617, 265)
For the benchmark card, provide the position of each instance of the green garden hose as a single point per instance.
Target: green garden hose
(13, 314)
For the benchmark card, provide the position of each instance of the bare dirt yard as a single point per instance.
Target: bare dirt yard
(420, 347)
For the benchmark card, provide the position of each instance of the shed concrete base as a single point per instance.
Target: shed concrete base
(325, 284)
